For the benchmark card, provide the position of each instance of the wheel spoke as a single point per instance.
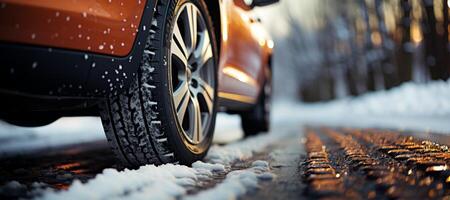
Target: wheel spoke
(208, 94)
(178, 45)
(204, 50)
(192, 24)
(197, 132)
(181, 99)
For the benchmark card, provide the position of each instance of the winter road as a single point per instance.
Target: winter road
(307, 162)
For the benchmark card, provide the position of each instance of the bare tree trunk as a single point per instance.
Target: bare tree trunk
(406, 48)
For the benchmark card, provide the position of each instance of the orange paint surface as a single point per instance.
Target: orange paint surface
(100, 26)
(244, 53)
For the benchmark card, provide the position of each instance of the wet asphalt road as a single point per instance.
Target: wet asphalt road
(320, 162)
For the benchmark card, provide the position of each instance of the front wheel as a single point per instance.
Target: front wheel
(168, 114)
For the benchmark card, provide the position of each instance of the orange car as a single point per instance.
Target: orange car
(156, 71)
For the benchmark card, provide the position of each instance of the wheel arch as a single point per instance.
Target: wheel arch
(214, 11)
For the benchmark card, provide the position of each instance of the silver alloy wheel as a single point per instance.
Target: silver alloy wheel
(192, 73)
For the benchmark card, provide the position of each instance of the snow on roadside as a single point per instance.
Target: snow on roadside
(65, 131)
(170, 181)
(411, 106)
(409, 99)
(238, 183)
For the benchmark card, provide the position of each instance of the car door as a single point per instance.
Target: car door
(241, 54)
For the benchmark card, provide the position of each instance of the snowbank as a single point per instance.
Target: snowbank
(411, 106)
(409, 99)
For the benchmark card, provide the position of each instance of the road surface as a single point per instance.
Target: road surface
(310, 162)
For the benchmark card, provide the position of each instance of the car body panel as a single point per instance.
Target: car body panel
(98, 26)
(43, 72)
(244, 54)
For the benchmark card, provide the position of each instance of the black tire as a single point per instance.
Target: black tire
(141, 125)
(257, 120)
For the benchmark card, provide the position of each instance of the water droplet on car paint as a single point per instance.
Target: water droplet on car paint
(117, 72)
(50, 49)
(79, 87)
(57, 14)
(93, 65)
(34, 65)
(122, 44)
(109, 1)
(117, 79)
(103, 76)
(123, 29)
(86, 56)
(106, 72)
(144, 27)
(111, 46)
(109, 80)
(101, 47)
(124, 20)
(84, 14)
(68, 18)
(120, 67)
(79, 26)
(33, 36)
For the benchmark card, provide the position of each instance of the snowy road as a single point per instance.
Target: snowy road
(87, 169)
(302, 156)
(273, 166)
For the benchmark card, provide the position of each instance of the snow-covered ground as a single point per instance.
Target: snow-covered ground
(410, 106)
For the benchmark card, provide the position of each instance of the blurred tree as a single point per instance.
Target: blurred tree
(435, 43)
(404, 57)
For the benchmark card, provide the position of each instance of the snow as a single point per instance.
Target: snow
(410, 99)
(163, 182)
(238, 183)
(171, 181)
(410, 106)
(65, 131)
